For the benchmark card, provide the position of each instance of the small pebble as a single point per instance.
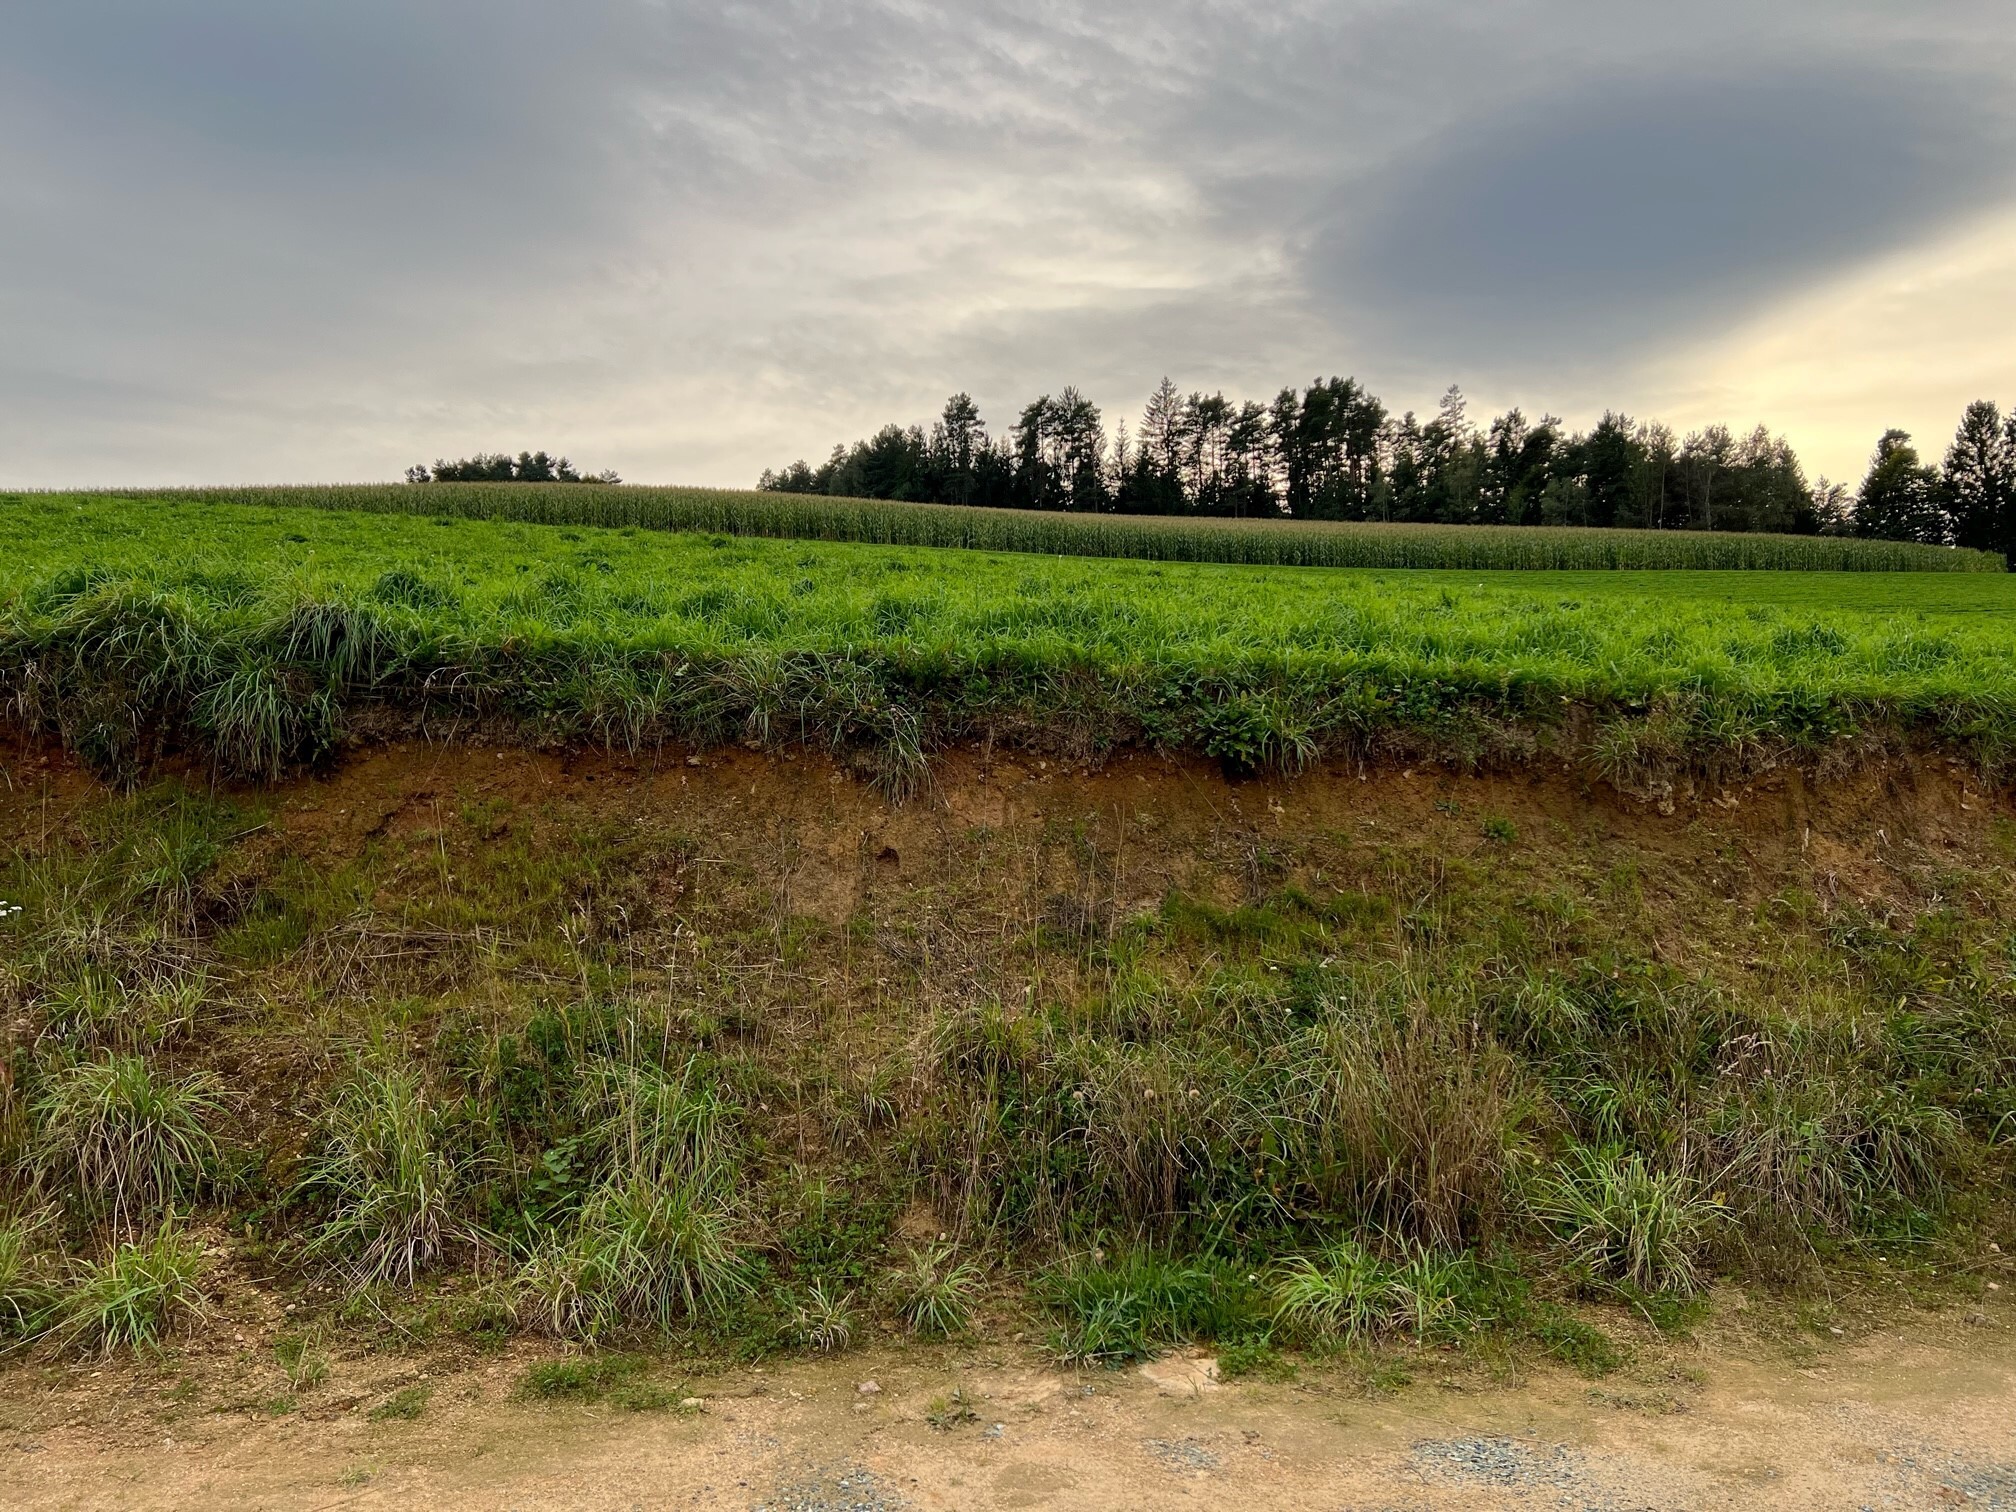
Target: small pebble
(870, 1388)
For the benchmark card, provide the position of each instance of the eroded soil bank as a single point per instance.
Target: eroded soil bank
(825, 846)
(775, 917)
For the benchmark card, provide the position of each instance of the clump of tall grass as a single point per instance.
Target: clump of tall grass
(823, 1320)
(28, 1283)
(1626, 1221)
(1406, 1110)
(644, 1252)
(934, 1291)
(1349, 1295)
(304, 1359)
(96, 1008)
(641, 1119)
(395, 1168)
(1376, 1099)
(1115, 1309)
(123, 1139)
(134, 1297)
(261, 719)
(654, 1242)
(1827, 1151)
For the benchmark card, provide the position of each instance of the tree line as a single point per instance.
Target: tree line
(1333, 451)
(501, 467)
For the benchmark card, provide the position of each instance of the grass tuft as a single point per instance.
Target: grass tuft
(1627, 1222)
(934, 1291)
(643, 1253)
(622, 1380)
(123, 1139)
(822, 1321)
(392, 1168)
(1348, 1295)
(135, 1297)
(28, 1285)
(404, 1405)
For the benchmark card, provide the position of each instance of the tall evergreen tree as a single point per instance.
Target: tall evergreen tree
(1833, 507)
(1978, 482)
(1157, 485)
(1705, 458)
(1249, 465)
(960, 438)
(1610, 465)
(1900, 496)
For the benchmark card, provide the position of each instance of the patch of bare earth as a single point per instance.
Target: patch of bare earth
(1921, 1419)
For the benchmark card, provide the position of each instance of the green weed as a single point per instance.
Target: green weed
(644, 1252)
(303, 1358)
(1568, 1339)
(403, 1406)
(123, 1139)
(617, 1378)
(1255, 1359)
(1130, 1308)
(934, 1291)
(135, 1296)
(953, 1410)
(391, 1168)
(1348, 1295)
(823, 1321)
(28, 1285)
(1628, 1222)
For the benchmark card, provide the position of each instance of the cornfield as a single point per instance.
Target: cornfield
(1272, 543)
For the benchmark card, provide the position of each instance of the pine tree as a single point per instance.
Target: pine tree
(1978, 482)
(1900, 496)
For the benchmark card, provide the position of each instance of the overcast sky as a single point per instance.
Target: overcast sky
(250, 241)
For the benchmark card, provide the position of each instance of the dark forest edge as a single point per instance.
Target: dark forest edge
(500, 467)
(1334, 452)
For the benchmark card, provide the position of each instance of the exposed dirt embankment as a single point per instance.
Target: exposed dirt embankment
(829, 845)
(1038, 1025)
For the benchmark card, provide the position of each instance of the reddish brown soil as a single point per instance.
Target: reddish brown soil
(823, 845)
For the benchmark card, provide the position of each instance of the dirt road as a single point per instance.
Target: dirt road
(1887, 1422)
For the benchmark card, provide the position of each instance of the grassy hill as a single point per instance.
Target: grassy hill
(261, 632)
(479, 938)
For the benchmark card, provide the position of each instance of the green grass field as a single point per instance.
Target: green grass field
(1271, 543)
(257, 628)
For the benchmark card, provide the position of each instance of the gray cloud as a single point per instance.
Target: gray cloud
(1589, 224)
(687, 240)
